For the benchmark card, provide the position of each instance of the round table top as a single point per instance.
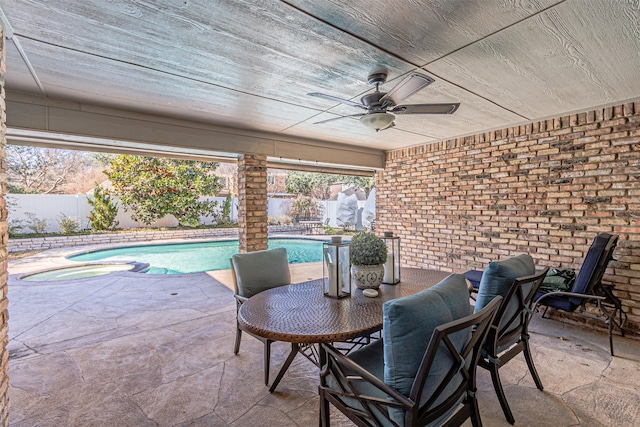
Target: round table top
(301, 313)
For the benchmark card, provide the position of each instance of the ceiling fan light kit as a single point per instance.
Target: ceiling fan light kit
(379, 105)
(377, 121)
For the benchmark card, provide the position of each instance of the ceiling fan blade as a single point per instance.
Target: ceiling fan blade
(338, 118)
(338, 100)
(424, 109)
(407, 87)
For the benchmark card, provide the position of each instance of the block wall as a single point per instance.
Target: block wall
(545, 188)
(252, 203)
(110, 238)
(4, 314)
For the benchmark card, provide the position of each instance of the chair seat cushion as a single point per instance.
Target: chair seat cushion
(474, 276)
(369, 357)
(561, 303)
(408, 324)
(261, 270)
(499, 276)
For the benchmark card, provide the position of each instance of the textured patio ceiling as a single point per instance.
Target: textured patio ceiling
(242, 69)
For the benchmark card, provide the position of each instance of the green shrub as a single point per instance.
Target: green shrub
(304, 207)
(15, 227)
(279, 220)
(103, 215)
(67, 224)
(37, 226)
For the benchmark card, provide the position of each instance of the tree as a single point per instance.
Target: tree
(364, 183)
(49, 171)
(310, 184)
(154, 187)
(316, 185)
(105, 210)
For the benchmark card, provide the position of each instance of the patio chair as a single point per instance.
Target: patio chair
(517, 281)
(252, 273)
(588, 288)
(423, 371)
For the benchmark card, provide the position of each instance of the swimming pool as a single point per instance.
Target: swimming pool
(181, 258)
(82, 272)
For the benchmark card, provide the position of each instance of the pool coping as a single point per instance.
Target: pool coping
(135, 267)
(57, 258)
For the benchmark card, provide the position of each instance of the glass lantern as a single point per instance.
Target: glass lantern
(392, 266)
(336, 268)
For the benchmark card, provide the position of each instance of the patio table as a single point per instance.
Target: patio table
(302, 315)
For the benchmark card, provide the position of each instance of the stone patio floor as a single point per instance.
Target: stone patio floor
(130, 349)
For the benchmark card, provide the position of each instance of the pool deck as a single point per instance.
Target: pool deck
(132, 349)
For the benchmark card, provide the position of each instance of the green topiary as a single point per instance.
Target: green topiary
(367, 249)
(105, 210)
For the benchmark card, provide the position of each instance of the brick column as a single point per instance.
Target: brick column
(252, 203)
(4, 314)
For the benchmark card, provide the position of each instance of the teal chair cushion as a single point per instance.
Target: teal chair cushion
(408, 324)
(371, 358)
(499, 276)
(260, 270)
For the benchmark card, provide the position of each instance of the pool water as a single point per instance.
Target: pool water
(198, 257)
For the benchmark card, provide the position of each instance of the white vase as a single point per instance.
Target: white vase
(367, 276)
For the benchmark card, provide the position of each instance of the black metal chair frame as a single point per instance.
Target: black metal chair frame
(514, 328)
(267, 342)
(345, 371)
(239, 329)
(599, 294)
(312, 353)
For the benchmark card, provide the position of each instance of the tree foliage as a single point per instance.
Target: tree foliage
(304, 207)
(316, 185)
(49, 171)
(68, 224)
(105, 210)
(309, 184)
(364, 183)
(154, 187)
(222, 216)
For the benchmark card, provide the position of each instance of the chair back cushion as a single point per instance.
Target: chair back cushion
(593, 265)
(257, 271)
(408, 324)
(499, 276)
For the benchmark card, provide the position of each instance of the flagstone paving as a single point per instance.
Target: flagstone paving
(130, 349)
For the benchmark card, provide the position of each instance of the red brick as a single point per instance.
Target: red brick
(545, 188)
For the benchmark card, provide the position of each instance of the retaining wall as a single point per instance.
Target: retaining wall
(43, 243)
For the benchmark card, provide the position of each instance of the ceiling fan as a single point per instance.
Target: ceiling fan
(381, 107)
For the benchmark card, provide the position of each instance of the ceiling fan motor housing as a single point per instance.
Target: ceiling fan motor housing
(372, 100)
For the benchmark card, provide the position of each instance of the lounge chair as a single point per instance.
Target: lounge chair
(588, 288)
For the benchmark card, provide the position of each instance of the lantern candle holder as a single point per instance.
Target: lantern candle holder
(392, 266)
(336, 268)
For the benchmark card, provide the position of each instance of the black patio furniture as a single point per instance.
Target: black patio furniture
(253, 273)
(509, 334)
(589, 289)
(422, 372)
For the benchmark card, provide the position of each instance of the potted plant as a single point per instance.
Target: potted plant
(368, 253)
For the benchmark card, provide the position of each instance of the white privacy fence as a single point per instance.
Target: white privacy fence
(51, 207)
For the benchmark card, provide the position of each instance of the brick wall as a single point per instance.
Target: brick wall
(4, 314)
(545, 188)
(252, 203)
